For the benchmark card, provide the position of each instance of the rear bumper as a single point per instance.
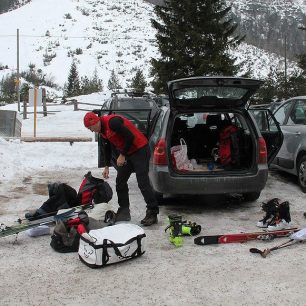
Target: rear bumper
(165, 183)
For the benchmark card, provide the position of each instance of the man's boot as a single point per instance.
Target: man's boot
(36, 214)
(150, 218)
(123, 214)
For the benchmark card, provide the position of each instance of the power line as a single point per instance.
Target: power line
(275, 44)
(64, 36)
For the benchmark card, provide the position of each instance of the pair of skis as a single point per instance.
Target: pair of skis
(24, 224)
(243, 237)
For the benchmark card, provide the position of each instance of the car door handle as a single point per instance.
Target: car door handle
(298, 134)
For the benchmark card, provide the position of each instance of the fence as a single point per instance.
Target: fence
(77, 108)
(10, 124)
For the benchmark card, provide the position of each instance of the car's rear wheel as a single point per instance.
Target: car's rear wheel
(302, 173)
(251, 196)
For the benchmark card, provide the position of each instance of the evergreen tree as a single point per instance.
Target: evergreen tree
(113, 82)
(8, 88)
(24, 92)
(91, 85)
(73, 86)
(6, 5)
(96, 83)
(138, 82)
(268, 91)
(302, 62)
(276, 87)
(193, 38)
(85, 85)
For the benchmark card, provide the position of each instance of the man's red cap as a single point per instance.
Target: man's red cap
(90, 119)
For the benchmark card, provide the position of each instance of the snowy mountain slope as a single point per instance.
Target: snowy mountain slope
(272, 24)
(97, 34)
(110, 36)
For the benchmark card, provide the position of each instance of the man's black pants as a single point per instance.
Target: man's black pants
(138, 162)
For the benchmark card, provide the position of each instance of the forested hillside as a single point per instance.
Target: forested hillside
(270, 24)
(7, 5)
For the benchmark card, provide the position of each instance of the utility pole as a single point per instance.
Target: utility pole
(286, 87)
(18, 77)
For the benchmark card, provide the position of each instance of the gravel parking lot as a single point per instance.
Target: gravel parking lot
(33, 274)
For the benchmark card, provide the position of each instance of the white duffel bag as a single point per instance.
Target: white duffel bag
(111, 244)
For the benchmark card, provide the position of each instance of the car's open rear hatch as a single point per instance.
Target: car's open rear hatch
(210, 92)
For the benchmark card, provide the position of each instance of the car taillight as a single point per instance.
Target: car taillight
(159, 155)
(262, 151)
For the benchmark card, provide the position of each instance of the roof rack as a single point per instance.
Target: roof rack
(131, 94)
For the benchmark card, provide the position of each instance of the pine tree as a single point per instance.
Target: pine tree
(113, 82)
(96, 83)
(8, 88)
(6, 5)
(73, 86)
(193, 38)
(268, 91)
(138, 82)
(85, 85)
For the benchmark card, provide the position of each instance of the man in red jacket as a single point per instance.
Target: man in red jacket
(133, 155)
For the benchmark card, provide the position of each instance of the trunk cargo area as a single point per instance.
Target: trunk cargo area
(211, 142)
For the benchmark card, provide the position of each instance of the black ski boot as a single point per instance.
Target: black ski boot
(36, 214)
(123, 214)
(150, 218)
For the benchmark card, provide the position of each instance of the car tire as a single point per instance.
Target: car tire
(301, 173)
(251, 196)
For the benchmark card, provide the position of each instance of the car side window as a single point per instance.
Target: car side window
(298, 113)
(106, 105)
(281, 113)
(157, 128)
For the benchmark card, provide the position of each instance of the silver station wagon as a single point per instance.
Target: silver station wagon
(226, 150)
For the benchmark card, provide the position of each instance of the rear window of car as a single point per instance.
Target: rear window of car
(210, 91)
(133, 103)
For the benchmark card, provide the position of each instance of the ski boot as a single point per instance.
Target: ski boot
(175, 230)
(191, 229)
(283, 220)
(271, 210)
(179, 228)
(110, 217)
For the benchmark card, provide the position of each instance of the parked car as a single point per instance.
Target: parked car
(212, 103)
(161, 100)
(199, 110)
(291, 158)
(271, 106)
(140, 108)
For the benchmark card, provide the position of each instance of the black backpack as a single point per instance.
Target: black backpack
(93, 188)
(65, 239)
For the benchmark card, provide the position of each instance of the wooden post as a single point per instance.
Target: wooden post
(25, 109)
(18, 75)
(75, 103)
(44, 102)
(35, 106)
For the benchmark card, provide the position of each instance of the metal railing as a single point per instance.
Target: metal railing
(10, 124)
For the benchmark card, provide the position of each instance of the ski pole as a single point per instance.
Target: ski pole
(265, 252)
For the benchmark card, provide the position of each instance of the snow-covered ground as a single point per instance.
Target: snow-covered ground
(23, 158)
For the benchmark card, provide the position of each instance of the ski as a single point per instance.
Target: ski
(243, 237)
(25, 224)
